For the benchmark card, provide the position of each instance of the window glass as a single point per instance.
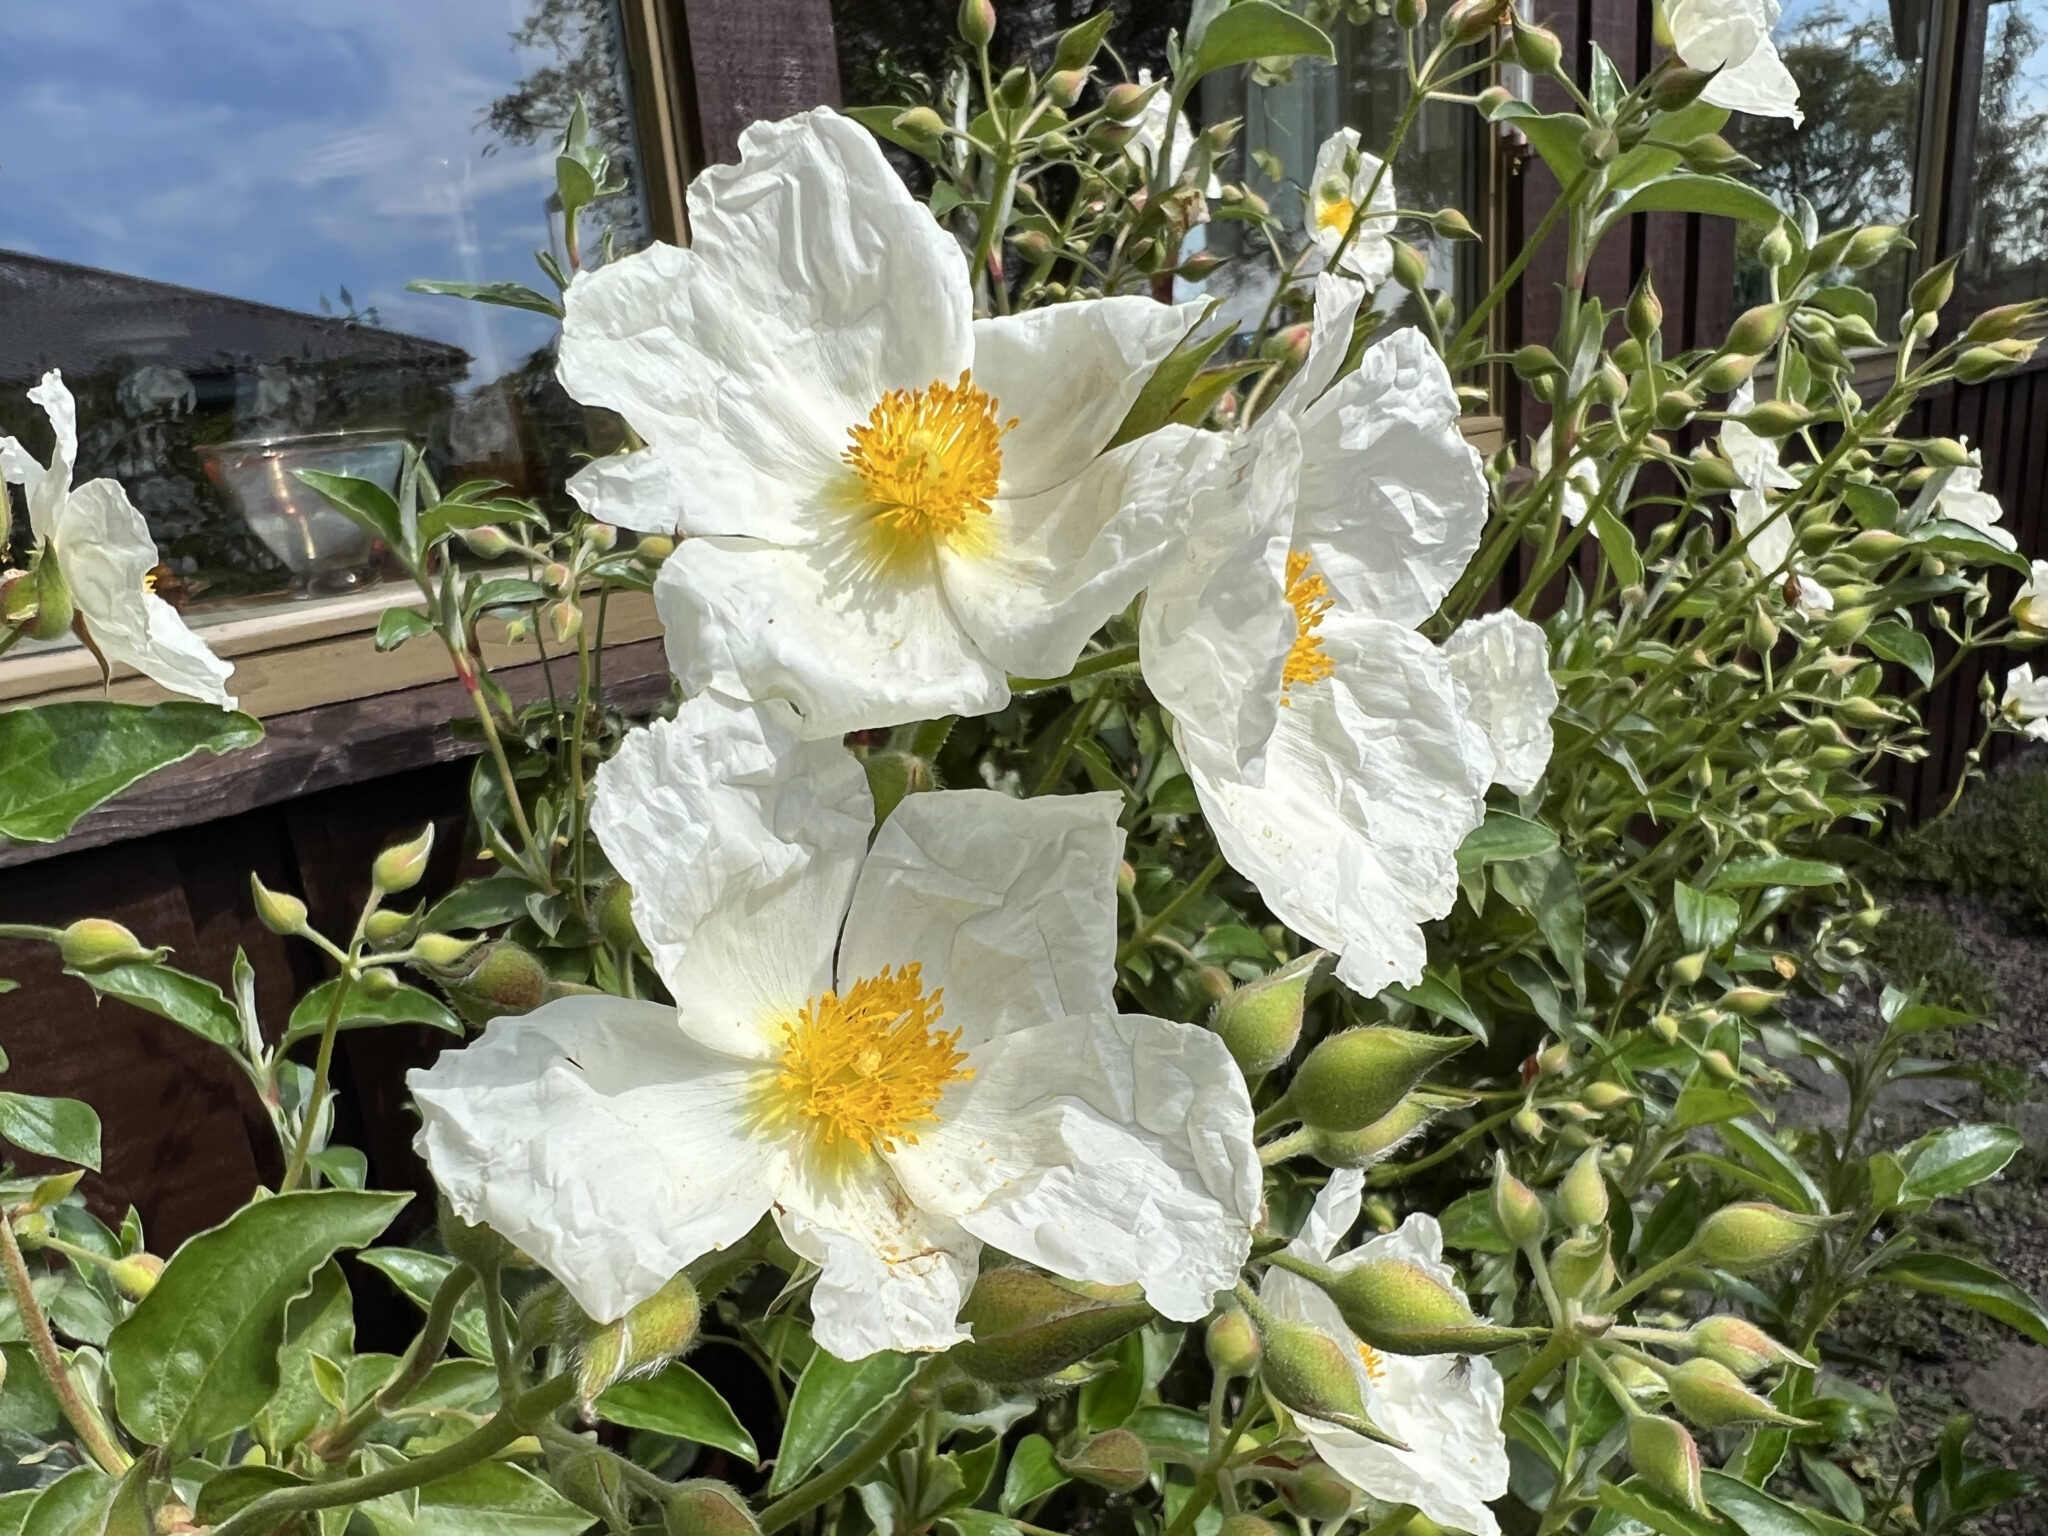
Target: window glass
(2006, 247)
(212, 211)
(1861, 67)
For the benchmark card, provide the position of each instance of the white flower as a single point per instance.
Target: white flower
(1755, 459)
(901, 1052)
(1339, 756)
(1446, 1408)
(1503, 661)
(2030, 603)
(1343, 177)
(1809, 596)
(1735, 37)
(1958, 496)
(105, 554)
(1579, 484)
(891, 504)
(2026, 702)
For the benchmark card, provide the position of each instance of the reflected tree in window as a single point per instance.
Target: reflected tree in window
(2008, 230)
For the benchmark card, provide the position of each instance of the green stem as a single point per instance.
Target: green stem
(1649, 1277)
(1212, 1468)
(92, 1434)
(272, 1511)
(1111, 660)
(309, 1112)
(539, 872)
(1086, 714)
(1563, 1344)
(1150, 927)
(412, 1370)
(1393, 1173)
(501, 1342)
(31, 931)
(800, 1501)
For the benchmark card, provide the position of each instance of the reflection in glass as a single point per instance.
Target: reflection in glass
(2006, 248)
(213, 208)
(1861, 65)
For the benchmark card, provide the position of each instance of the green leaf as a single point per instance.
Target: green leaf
(343, 1167)
(64, 759)
(1745, 874)
(1257, 29)
(26, 1402)
(1702, 1102)
(1547, 888)
(1704, 921)
(321, 1322)
(1974, 1285)
(1107, 1399)
(1169, 382)
(363, 502)
(399, 625)
(1754, 1145)
(678, 1402)
(1436, 995)
(198, 1357)
(68, 1506)
(1556, 135)
(489, 902)
(1639, 1501)
(172, 994)
(1684, 192)
(1502, 838)
(419, 1276)
(831, 1399)
(408, 1005)
(1619, 545)
(1754, 1512)
(1961, 541)
(1951, 1161)
(1908, 647)
(511, 295)
(14, 1508)
(239, 1487)
(1032, 1474)
(881, 122)
(491, 1498)
(61, 1128)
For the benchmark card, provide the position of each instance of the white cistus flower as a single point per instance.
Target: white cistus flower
(1445, 1408)
(889, 504)
(1734, 37)
(1958, 496)
(1343, 180)
(1754, 459)
(104, 552)
(2026, 702)
(1580, 482)
(2030, 603)
(1339, 756)
(901, 1052)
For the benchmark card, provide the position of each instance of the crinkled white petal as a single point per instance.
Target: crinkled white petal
(46, 492)
(1503, 661)
(1068, 374)
(1008, 905)
(849, 647)
(1755, 459)
(814, 284)
(1963, 499)
(2025, 701)
(1329, 342)
(105, 552)
(1372, 780)
(597, 1136)
(1334, 1213)
(894, 1275)
(1392, 497)
(1062, 563)
(1115, 1150)
(741, 843)
(1215, 631)
(1369, 257)
(1734, 36)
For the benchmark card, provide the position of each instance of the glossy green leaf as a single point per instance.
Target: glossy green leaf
(1685, 192)
(1032, 1474)
(1743, 874)
(74, 1505)
(1555, 135)
(1639, 1501)
(1704, 921)
(1435, 994)
(61, 1128)
(169, 993)
(399, 625)
(1618, 543)
(489, 902)
(361, 1010)
(832, 1397)
(1502, 837)
(363, 502)
(1953, 1160)
(1908, 647)
(492, 1498)
(678, 1402)
(1754, 1512)
(238, 1487)
(510, 295)
(198, 1357)
(1107, 1399)
(1169, 382)
(1257, 29)
(1974, 1285)
(26, 1402)
(321, 1322)
(61, 760)
(419, 1276)
(14, 1508)
(1703, 1102)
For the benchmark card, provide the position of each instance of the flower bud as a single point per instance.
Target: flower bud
(31, 1227)
(1028, 1325)
(1980, 363)
(1726, 372)
(1362, 1148)
(565, 618)
(1713, 1397)
(1469, 21)
(1316, 1492)
(475, 1245)
(1756, 329)
(1352, 1079)
(1126, 100)
(1713, 155)
(1063, 87)
(1405, 1310)
(280, 914)
(378, 981)
(97, 944)
(1740, 1346)
(706, 1507)
(1998, 324)
(1874, 544)
(52, 1190)
(1242, 1524)
(1749, 1001)
(1232, 1343)
(1645, 315)
(1305, 1369)
(1534, 361)
(1527, 1123)
(1493, 99)
(1452, 225)
(487, 542)
(1116, 1459)
(646, 1338)
(1675, 407)
(1079, 44)
(386, 925)
(401, 866)
(1666, 1458)
(1678, 88)
(653, 548)
(1582, 1193)
(892, 776)
(1014, 89)
(444, 951)
(1261, 1021)
(1516, 1209)
(1597, 146)
(1710, 472)
(1752, 1235)
(1410, 271)
(1775, 249)
(135, 1276)
(1776, 418)
(976, 23)
(1869, 246)
(505, 979)
(1934, 287)
(1687, 969)
(1581, 1266)
(1606, 1097)
(53, 607)
(1719, 1066)
(1537, 49)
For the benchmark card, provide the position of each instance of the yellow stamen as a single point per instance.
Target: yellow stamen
(1309, 597)
(928, 461)
(1335, 214)
(866, 1066)
(1375, 1363)
(149, 579)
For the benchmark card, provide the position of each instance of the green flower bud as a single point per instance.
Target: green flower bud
(1014, 89)
(1678, 88)
(646, 1338)
(1315, 1491)
(1775, 249)
(1981, 363)
(976, 23)
(52, 1190)
(1232, 1343)
(1582, 1193)
(1599, 145)
(97, 944)
(1999, 324)
(706, 1507)
(1726, 373)
(53, 607)
(1945, 453)
(1352, 1079)
(1534, 361)
(1471, 21)
(1116, 1459)
(1452, 225)
(1527, 1123)
(477, 1246)
(892, 776)
(1028, 1325)
(1666, 1458)
(1645, 314)
(135, 1276)
(1875, 544)
(654, 548)
(1675, 407)
(401, 866)
(1242, 1524)
(487, 542)
(1628, 355)
(1126, 100)
(279, 913)
(1687, 969)
(1261, 1021)
(1582, 1267)
(1713, 1397)
(1776, 418)
(1863, 713)
(1756, 329)
(1752, 1235)
(1410, 271)
(1306, 1370)
(1740, 1346)
(504, 979)
(1719, 1066)
(1516, 1209)
(1063, 87)
(1934, 287)
(1869, 246)
(1493, 98)
(1079, 44)
(1537, 49)
(1606, 1097)
(379, 981)
(1710, 472)
(1362, 1148)
(1712, 154)
(387, 925)
(1749, 1001)
(443, 951)
(1402, 1308)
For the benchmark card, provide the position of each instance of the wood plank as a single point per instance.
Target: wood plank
(758, 59)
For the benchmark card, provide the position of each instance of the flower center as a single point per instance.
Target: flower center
(1375, 1363)
(1335, 213)
(1309, 596)
(867, 1066)
(928, 459)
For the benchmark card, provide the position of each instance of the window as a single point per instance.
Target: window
(213, 209)
(2005, 238)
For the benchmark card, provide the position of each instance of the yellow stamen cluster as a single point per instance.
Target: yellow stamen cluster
(1309, 596)
(868, 1065)
(1335, 213)
(928, 459)
(1375, 1363)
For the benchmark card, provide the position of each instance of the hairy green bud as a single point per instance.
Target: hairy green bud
(1534, 361)
(387, 925)
(1517, 1210)
(1775, 249)
(706, 1507)
(1014, 89)
(1934, 287)
(1740, 1346)
(1756, 329)
(443, 951)
(1981, 363)
(1710, 472)
(1028, 1325)
(1232, 1343)
(1362, 1148)
(1410, 271)
(646, 1338)
(1242, 1524)
(1666, 1458)
(54, 610)
(1752, 1235)
(279, 913)
(1537, 49)
(1726, 372)
(976, 23)
(894, 776)
(504, 979)
(1678, 88)
(1317, 1492)
(1116, 1459)
(1582, 1193)
(1452, 225)
(1261, 1021)
(97, 944)
(1404, 1309)
(1606, 1097)
(1127, 99)
(1598, 145)
(136, 1276)
(1352, 1079)
(1713, 1397)
(1868, 246)
(1776, 418)
(1306, 1370)
(401, 866)
(653, 548)
(2007, 320)
(1582, 1267)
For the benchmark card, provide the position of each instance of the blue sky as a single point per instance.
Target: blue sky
(278, 149)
